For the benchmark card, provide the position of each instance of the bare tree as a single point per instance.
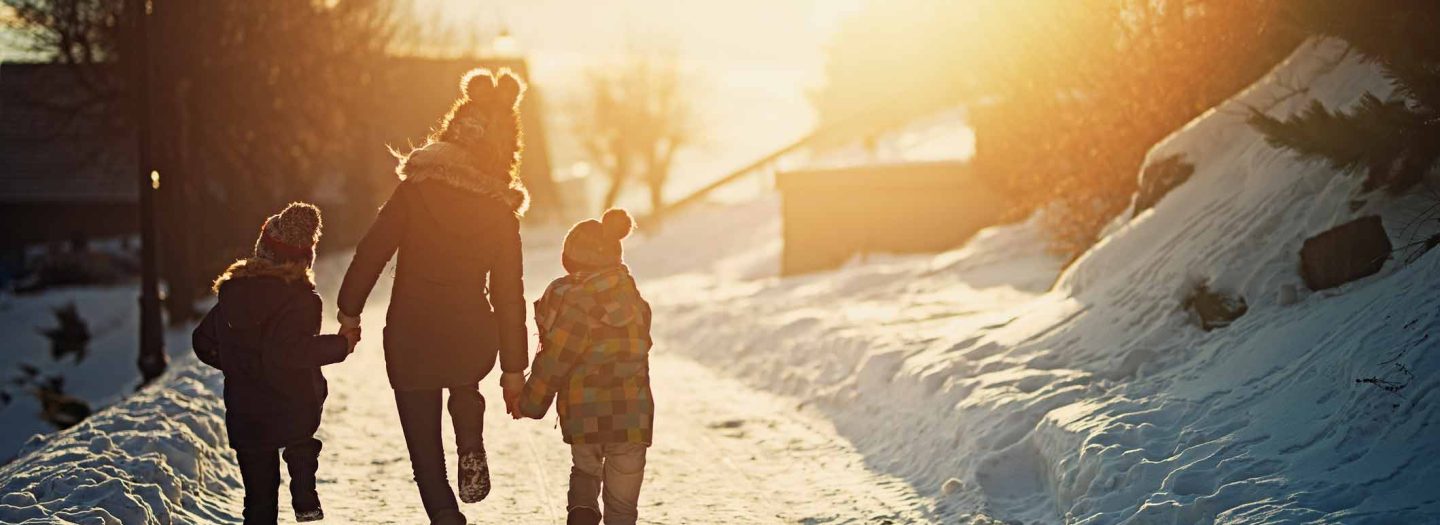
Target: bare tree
(634, 117)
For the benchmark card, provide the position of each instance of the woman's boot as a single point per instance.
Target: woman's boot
(474, 475)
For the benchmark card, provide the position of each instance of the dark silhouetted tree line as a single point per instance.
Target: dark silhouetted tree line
(253, 104)
(1065, 96)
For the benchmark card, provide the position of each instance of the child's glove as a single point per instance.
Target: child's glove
(512, 384)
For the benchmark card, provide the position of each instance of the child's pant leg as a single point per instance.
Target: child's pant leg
(613, 472)
(624, 471)
(260, 472)
(467, 414)
(303, 461)
(587, 466)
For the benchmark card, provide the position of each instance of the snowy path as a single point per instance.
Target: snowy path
(724, 453)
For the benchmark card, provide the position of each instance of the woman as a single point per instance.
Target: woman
(454, 219)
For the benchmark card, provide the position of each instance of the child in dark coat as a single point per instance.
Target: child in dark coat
(595, 355)
(264, 334)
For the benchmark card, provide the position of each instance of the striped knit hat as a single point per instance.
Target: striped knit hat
(290, 236)
(593, 245)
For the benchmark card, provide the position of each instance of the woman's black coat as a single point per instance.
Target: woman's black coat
(458, 297)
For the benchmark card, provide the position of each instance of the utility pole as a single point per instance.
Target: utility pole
(152, 359)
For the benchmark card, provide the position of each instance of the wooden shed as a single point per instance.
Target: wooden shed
(831, 215)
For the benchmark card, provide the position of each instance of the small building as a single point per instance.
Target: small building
(67, 163)
(831, 215)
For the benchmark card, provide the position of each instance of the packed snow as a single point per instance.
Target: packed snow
(979, 385)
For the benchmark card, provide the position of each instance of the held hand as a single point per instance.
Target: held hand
(352, 335)
(347, 322)
(512, 383)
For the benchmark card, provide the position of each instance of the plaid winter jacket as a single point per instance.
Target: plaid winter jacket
(594, 353)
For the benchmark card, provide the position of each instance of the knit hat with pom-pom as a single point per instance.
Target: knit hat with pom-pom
(478, 144)
(290, 236)
(594, 245)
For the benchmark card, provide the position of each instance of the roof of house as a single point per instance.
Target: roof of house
(59, 141)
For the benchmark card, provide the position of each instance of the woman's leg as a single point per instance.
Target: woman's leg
(260, 472)
(420, 421)
(467, 413)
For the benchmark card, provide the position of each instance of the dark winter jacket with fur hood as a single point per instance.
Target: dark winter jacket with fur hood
(264, 335)
(458, 299)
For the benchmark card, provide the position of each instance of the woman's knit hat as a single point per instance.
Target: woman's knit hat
(290, 236)
(592, 244)
(478, 144)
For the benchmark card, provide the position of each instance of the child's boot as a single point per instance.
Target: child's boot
(312, 514)
(467, 412)
(582, 516)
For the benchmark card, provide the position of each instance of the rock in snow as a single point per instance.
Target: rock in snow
(1157, 179)
(1347, 252)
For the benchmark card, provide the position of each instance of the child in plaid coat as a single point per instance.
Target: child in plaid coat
(594, 354)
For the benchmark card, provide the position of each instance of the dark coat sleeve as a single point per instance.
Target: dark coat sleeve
(373, 253)
(296, 339)
(205, 340)
(507, 296)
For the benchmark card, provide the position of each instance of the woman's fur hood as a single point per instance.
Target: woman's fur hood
(451, 164)
(291, 272)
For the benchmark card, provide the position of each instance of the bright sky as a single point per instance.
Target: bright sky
(756, 59)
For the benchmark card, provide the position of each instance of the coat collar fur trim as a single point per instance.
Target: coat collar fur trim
(451, 164)
(291, 272)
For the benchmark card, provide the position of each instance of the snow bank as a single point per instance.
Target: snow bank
(1100, 401)
(157, 458)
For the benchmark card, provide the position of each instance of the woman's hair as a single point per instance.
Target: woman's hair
(486, 121)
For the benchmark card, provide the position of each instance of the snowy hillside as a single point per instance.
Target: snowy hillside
(1101, 401)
